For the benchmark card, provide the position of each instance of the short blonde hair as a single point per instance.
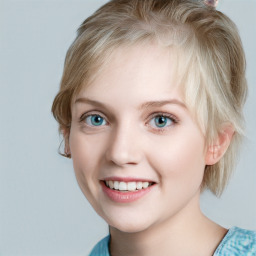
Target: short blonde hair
(211, 64)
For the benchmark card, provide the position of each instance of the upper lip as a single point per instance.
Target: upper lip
(127, 179)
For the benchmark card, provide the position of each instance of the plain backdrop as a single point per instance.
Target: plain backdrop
(42, 211)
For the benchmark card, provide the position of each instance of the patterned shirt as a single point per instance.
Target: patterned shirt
(237, 242)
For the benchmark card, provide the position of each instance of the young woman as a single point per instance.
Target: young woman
(150, 108)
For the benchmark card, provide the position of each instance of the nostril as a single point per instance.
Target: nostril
(132, 163)
(123, 148)
(122, 158)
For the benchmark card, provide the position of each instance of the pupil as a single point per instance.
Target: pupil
(161, 121)
(97, 120)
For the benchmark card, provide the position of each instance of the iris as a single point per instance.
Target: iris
(161, 121)
(95, 120)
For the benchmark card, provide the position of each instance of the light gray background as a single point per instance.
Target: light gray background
(42, 211)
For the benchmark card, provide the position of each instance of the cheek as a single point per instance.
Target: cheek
(180, 159)
(85, 150)
(85, 153)
(79, 150)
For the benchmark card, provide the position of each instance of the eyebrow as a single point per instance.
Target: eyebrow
(149, 104)
(91, 102)
(161, 103)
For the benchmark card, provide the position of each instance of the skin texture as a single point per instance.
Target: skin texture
(129, 144)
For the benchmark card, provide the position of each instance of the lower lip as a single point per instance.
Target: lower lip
(125, 197)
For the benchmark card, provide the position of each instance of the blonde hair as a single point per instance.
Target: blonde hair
(211, 64)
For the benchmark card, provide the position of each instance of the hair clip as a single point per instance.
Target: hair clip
(211, 3)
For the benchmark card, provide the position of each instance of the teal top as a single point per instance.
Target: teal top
(237, 242)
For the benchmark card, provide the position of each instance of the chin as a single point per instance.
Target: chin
(129, 224)
(129, 228)
(129, 218)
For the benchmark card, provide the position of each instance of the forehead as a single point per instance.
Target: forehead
(138, 69)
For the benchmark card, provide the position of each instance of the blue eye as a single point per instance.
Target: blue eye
(161, 121)
(95, 120)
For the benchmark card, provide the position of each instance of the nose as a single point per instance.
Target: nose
(124, 146)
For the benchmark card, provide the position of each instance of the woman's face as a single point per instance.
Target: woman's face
(131, 130)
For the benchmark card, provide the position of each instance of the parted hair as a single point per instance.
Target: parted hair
(210, 67)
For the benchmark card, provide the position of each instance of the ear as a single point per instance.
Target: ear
(216, 151)
(67, 151)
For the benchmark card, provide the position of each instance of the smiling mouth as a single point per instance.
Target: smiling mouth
(128, 186)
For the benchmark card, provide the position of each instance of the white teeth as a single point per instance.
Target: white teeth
(131, 186)
(111, 184)
(116, 185)
(145, 184)
(127, 186)
(122, 186)
(139, 185)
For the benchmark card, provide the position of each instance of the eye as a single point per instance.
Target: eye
(161, 121)
(95, 120)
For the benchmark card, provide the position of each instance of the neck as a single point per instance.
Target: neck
(189, 232)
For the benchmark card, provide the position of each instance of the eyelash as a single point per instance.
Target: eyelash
(86, 115)
(173, 119)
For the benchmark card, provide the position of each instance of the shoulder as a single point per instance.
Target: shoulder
(101, 248)
(237, 242)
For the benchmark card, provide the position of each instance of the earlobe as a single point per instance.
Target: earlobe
(217, 150)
